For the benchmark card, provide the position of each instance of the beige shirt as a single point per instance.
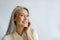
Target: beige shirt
(16, 36)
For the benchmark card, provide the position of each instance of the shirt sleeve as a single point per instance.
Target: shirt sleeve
(35, 35)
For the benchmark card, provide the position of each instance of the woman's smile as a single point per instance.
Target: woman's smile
(22, 18)
(24, 22)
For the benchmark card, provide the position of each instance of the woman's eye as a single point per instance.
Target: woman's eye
(22, 15)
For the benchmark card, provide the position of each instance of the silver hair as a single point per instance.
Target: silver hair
(12, 25)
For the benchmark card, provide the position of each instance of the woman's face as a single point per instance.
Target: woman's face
(22, 18)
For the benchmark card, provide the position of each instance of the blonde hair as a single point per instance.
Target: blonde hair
(12, 25)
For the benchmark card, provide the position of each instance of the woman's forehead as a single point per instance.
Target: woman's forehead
(22, 11)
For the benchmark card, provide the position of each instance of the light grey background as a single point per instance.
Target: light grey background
(44, 16)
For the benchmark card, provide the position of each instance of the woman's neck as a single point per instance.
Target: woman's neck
(19, 30)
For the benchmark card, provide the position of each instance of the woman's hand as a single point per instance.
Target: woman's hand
(28, 35)
(27, 28)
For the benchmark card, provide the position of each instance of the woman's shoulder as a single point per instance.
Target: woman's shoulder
(34, 34)
(33, 31)
(7, 37)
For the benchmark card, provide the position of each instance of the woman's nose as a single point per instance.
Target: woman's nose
(25, 18)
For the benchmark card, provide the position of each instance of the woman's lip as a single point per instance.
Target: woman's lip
(24, 22)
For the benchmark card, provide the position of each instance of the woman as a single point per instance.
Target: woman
(19, 26)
